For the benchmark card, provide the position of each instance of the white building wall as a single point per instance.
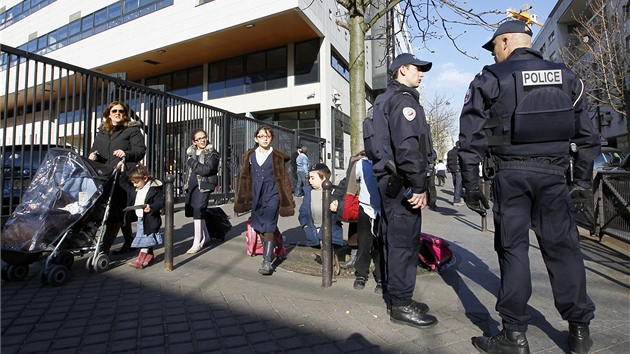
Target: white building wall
(185, 19)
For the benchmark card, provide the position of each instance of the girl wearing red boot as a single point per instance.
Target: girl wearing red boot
(146, 195)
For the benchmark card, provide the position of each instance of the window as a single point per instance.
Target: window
(84, 27)
(277, 68)
(307, 62)
(543, 48)
(552, 37)
(74, 31)
(339, 65)
(234, 80)
(100, 21)
(186, 83)
(21, 11)
(113, 15)
(254, 72)
(87, 24)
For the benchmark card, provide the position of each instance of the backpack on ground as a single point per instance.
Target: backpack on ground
(435, 252)
(217, 222)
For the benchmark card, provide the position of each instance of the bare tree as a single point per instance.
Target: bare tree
(431, 20)
(600, 56)
(442, 116)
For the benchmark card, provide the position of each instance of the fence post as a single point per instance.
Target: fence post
(327, 260)
(169, 201)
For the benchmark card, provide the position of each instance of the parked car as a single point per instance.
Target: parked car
(608, 159)
(19, 164)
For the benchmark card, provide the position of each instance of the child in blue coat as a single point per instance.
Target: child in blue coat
(311, 211)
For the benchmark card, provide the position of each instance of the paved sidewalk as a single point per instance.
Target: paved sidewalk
(215, 301)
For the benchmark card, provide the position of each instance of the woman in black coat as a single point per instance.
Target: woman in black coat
(201, 179)
(117, 138)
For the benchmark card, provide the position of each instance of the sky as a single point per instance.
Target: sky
(452, 72)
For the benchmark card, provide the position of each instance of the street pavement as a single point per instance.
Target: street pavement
(216, 302)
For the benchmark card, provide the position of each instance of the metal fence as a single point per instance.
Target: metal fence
(608, 212)
(44, 102)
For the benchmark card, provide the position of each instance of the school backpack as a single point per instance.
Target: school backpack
(435, 252)
(255, 244)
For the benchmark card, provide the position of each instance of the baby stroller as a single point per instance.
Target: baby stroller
(59, 216)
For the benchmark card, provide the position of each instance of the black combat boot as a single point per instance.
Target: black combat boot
(506, 342)
(414, 314)
(579, 338)
(265, 267)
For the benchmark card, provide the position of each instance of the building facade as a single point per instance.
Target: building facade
(283, 62)
(558, 32)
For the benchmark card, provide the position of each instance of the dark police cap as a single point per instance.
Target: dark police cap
(406, 59)
(514, 26)
(318, 166)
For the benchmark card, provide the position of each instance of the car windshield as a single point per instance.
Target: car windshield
(606, 156)
(18, 159)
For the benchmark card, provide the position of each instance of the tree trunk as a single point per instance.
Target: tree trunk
(357, 82)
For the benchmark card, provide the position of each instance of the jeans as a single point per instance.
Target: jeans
(301, 182)
(457, 186)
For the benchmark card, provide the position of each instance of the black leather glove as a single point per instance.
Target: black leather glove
(579, 193)
(476, 201)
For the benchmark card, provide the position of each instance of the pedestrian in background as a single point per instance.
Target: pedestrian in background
(202, 166)
(440, 173)
(452, 164)
(118, 138)
(265, 189)
(399, 112)
(302, 171)
(523, 113)
(293, 174)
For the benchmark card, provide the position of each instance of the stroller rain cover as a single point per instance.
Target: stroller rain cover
(62, 190)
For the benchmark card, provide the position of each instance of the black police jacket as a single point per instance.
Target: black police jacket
(398, 111)
(480, 107)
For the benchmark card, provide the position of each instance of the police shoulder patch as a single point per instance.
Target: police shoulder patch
(468, 95)
(409, 113)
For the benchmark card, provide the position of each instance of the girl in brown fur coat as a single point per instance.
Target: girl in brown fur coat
(265, 189)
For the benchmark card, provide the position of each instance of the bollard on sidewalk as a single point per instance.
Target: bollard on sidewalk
(327, 256)
(169, 201)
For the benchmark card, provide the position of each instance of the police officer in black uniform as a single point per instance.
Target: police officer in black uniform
(522, 113)
(403, 168)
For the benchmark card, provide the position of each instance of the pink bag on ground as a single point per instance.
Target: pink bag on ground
(255, 244)
(434, 251)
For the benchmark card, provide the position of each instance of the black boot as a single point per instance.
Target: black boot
(412, 315)
(506, 342)
(579, 338)
(265, 267)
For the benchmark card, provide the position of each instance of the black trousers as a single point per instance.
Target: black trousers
(400, 235)
(368, 246)
(524, 200)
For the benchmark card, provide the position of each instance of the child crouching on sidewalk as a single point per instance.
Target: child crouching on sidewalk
(311, 213)
(146, 195)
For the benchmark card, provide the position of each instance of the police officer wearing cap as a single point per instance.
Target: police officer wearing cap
(398, 111)
(523, 113)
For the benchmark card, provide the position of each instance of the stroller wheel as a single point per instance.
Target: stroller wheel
(5, 274)
(58, 275)
(43, 276)
(65, 259)
(17, 272)
(101, 263)
(88, 265)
